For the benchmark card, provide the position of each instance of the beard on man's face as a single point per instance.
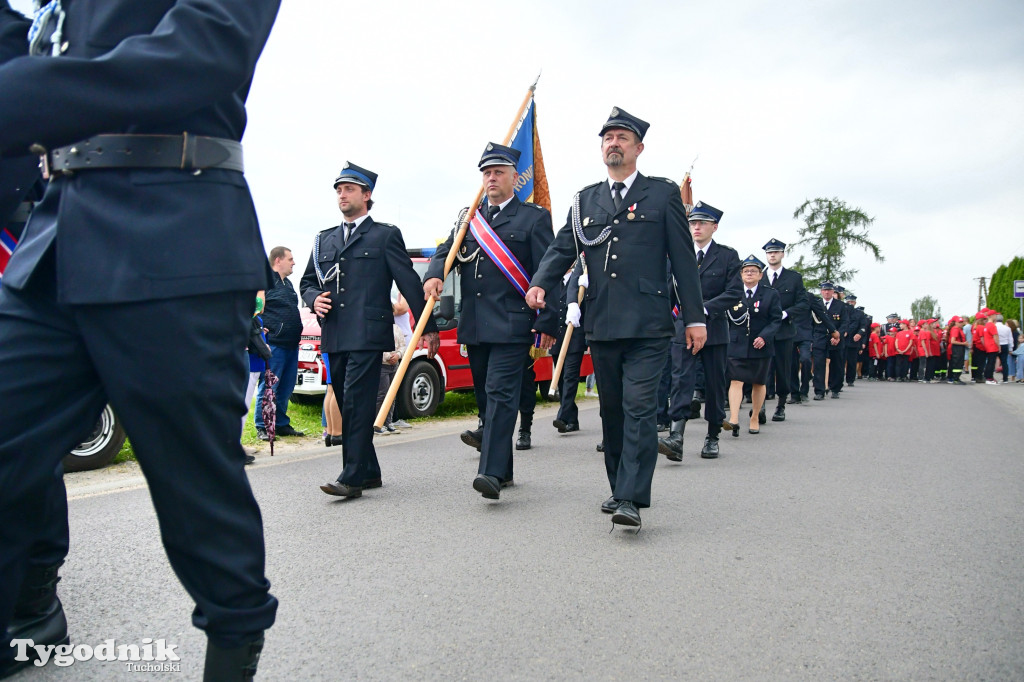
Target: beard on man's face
(613, 157)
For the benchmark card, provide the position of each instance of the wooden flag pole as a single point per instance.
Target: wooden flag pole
(557, 373)
(428, 307)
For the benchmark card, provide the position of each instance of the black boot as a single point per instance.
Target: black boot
(232, 665)
(672, 447)
(710, 449)
(780, 411)
(525, 424)
(38, 615)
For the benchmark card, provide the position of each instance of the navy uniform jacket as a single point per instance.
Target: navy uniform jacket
(857, 324)
(361, 317)
(839, 316)
(628, 296)
(819, 322)
(721, 285)
(493, 311)
(187, 67)
(792, 298)
(765, 319)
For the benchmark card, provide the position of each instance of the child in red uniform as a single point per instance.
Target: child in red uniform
(937, 351)
(978, 354)
(890, 354)
(991, 336)
(956, 349)
(876, 353)
(904, 349)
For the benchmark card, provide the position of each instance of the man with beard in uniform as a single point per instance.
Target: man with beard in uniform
(138, 114)
(858, 333)
(789, 284)
(347, 283)
(501, 250)
(627, 226)
(828, 346)
(721, 287)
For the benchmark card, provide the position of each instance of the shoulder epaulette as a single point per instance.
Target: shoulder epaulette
(668, 180)
(729, 248)
(385, 224)
(533, 205)
(328, 230)
(593, 185)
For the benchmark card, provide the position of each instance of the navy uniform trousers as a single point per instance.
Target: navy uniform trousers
(568, 411)
(499, 368)
(821, 351)
(356, 374)
(628, 372)
(174, 371)
(684, 380)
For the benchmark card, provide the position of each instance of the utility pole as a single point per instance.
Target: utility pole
(982, 292)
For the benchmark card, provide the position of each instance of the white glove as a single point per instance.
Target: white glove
(572, 314)
(584, 281)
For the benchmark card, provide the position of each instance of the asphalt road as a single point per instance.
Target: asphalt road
(875, 537)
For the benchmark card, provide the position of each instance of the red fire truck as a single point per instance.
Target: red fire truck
(427, 380)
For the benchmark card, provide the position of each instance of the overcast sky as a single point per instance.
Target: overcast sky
(912, 111)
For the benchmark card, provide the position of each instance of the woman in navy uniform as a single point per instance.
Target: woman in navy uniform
(627, 225)
(753, 323)
(145, 244)
(496, 324)
(347, 283)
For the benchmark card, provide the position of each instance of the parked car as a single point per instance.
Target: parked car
(427, 380)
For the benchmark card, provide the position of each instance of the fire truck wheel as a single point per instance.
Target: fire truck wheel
(420, 392)
(100, 446)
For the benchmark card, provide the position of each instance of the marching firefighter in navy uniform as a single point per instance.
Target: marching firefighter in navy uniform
(626, 226)
(789, 284)
(131, 256)
(719, 267)
(830, 347)
(754, 321)
(347, 282)
(857, 336)
(500, 252)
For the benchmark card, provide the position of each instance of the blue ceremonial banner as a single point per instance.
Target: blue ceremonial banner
(533, 182)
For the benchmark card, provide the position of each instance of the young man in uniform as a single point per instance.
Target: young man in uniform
(719, 268)
(347, 283)
(789, 284)
(499, 253)
(829, 348)
(627, 226)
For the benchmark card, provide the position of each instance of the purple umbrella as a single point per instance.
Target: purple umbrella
(270, 408)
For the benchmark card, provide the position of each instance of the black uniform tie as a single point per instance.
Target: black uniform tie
(750, 295)
(491, 212)
(348, 230)
(617, 188)
(700, 257)
(775, 278)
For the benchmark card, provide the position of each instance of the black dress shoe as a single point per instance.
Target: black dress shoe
(835, 394)
(488, 486)
(327, 440)
(762, 418)
(249, 459)
(473, 438)
(780, 414)
(335, 440)
(672, 446)
(565, 427)
(735, 428)
(819, 396)
(793, 400)
(371, 483)
(600, 446)
(339, 489)
(523, 442)
(38, 615)
(610, 505)
(626, 514)
(710, 449)
(288, 430)
(261, 433)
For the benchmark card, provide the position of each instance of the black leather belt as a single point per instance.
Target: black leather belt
(184, 152)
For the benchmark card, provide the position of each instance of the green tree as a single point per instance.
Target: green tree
(1000, 288)
(925, 308)
(831, 228)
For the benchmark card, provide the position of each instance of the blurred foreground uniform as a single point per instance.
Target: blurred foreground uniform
(145, 245)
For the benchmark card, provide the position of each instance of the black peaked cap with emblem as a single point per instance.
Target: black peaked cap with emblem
(498, 155)
(752, 260)
(774, 245)
(620, 118)
(356, 175)
(702, 211)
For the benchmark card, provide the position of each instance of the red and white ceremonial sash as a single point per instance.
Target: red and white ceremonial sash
(499, 254)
